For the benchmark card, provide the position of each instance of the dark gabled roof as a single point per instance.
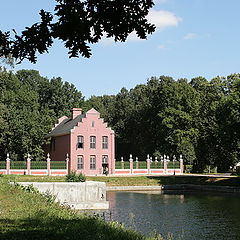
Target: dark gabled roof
(65, 126)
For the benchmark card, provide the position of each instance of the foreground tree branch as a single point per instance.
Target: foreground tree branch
(78, 24)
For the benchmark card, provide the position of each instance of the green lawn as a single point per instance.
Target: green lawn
(140, 180)
(29, 215)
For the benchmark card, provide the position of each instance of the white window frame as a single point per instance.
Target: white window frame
(93, 142)
(80, 162)
(92, 162)
(104, 142)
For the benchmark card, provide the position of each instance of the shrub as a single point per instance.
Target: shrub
(188, 168)
(74, 177)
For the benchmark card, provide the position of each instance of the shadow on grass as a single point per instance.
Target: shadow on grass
(57, 228)
(197, 180)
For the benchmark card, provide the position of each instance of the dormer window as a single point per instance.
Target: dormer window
(80, 141)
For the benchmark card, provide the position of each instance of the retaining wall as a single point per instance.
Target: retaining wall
(85, 195)
(177, 187)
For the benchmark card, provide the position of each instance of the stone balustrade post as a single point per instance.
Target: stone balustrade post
(181, 164)
(131, 164)
(8, 164)
(28, 164)
(122, 163)
(168, 160)
(165, 163)
(67, 163)
(174, 166)
(156, 161)
(48, 164)
(148, 164)
(137, 163)
(161, 160)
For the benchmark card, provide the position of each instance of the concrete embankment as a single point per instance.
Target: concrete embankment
(134, 188)
(180, 187)
(192, 187)
(84, 195)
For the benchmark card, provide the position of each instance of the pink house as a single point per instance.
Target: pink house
(87, 139)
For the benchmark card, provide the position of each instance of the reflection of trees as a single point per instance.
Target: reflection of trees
(191, 214)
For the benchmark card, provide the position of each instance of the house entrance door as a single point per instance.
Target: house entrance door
(105, 168)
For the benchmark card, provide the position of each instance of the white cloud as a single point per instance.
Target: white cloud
(190, 36)
(163, 19)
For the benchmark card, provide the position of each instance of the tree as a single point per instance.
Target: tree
(54, 94)
(29, 106)
(103, 104)
(78, 24)
(228, 119)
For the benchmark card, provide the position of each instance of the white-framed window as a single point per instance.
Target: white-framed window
(105, 159)
(92, 142)
(80, 141)
(92, 162)
(80, 163)
(105, 142)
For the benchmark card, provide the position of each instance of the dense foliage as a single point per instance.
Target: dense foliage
(29, 107)
(199, 119)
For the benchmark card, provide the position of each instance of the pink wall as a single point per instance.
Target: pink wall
(92, 125)
(61, 148)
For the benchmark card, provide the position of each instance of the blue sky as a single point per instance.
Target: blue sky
(193, 38)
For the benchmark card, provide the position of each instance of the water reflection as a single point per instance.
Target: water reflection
(187, 215)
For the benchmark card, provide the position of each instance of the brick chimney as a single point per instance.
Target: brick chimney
(76, 112)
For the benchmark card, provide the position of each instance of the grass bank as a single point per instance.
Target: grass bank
(29, 215)
(142, 180)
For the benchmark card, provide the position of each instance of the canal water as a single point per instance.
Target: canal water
(185, 215)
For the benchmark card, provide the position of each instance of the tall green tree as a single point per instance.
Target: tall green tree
(228, 119)
(29, 106)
